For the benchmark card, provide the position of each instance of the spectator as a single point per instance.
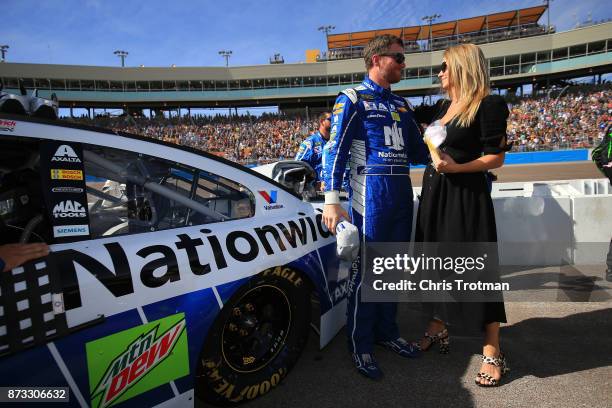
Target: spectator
(577, 119)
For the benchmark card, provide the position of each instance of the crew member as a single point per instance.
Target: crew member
(311, 149)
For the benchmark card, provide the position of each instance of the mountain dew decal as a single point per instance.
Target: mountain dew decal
(136, 360)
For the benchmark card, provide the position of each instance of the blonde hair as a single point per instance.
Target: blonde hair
(469, 79)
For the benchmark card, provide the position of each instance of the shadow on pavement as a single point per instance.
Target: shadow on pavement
(540, 347)
(545, 347)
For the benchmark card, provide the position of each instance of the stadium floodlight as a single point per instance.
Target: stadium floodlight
(277, 59)
(121, 54)
(226, 54)
(430, 20)
(3, 49)
(326, 29)
(547, 2)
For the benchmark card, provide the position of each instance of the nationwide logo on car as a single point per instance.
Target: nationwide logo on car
(69, 209)
(270, 199)
(136, 360)
(65, 174)
(65, 153)
(76, 190)
(7, 125)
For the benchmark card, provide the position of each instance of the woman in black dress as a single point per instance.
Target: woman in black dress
(455, 201)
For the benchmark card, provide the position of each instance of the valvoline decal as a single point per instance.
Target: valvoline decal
(271, 200)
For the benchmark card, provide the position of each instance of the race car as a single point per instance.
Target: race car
(174, 277)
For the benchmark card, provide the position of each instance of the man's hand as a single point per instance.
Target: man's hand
(332, 215)
(15, 255)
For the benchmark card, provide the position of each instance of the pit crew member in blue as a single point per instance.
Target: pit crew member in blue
(311, 149)
(378, 129)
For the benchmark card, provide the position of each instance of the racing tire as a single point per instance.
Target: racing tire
(256, 339)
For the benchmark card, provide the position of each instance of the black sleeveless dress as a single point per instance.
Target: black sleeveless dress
(457, 207)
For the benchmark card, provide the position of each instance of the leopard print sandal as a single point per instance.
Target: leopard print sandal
(495, 361)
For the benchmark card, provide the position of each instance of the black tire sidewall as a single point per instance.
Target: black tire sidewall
(217, 382)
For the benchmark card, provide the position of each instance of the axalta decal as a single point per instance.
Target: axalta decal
(65, 153)
(136, 360)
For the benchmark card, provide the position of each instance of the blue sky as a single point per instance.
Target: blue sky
(190, 33)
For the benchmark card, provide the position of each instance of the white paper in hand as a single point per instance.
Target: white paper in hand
(436, 133)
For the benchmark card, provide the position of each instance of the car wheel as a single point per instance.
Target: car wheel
(256, 339)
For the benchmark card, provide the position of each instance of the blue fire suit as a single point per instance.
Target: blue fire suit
(376, 131)
(311, 151)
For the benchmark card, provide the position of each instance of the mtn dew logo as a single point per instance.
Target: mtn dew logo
(137, 360)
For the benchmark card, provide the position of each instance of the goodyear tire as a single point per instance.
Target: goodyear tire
(256, 339)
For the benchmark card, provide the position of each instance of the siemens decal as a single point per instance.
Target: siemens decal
(239, 245)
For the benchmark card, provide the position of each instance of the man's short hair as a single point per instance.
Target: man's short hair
(323, 116)
(379, 45)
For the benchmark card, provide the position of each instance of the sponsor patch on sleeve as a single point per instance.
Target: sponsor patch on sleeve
(337, 109)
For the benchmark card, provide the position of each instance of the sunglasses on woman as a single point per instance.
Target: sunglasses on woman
(397, 56)
(443, 66)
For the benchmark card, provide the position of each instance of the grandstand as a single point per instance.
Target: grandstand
(520, 51)
(489, 28)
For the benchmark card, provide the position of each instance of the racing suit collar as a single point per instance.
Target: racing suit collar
(373, 86)
(318, 133)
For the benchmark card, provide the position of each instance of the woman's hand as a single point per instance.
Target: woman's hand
(446, 164)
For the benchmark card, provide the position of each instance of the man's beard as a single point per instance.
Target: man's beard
(392, 77)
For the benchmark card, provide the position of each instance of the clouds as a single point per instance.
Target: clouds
(190, 33)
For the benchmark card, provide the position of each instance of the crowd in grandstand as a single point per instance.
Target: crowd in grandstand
(244, 139)
(575, 119)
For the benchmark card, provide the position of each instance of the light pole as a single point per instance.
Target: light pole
(326, 29)
(121, 54)
(430, 20)
(226, 54)
(3, 49)
(547, 2)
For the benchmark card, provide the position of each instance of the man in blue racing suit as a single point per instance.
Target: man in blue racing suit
(311, 149)
(378, 130)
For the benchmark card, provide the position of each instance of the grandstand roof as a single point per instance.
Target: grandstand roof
(457, 27)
